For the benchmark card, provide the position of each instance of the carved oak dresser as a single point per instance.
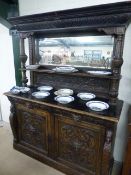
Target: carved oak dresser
(70, 137)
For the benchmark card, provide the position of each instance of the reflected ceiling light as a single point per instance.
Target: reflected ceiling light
(86, 39)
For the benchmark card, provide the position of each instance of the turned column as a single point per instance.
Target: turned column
(116, 65)
(23, 58)
(117, 59)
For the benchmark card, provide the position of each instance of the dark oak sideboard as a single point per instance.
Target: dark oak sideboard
(71, 138)
(67, 138)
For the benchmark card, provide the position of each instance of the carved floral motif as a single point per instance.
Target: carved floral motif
(33, 130)
(79, 145)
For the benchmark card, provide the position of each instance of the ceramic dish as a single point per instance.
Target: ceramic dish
(64, 92)
(24, 89)
(40, 94)
(33, 66)
(15, 91)
(65, 69)
(99, 72)
(97, 105)
(18, 89)
(64, 99)
(45, 88)
(86, 96)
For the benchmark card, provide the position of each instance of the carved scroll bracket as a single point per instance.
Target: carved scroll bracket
(13, 120)
(107, 152)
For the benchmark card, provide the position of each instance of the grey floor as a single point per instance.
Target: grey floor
(13, 162)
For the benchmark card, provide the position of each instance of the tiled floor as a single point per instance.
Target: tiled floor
(13, 162)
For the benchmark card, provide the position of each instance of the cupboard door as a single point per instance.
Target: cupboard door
(33, 129)
(79, 145)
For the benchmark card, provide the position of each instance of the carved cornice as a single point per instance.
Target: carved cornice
(113, 30)
(80, 19)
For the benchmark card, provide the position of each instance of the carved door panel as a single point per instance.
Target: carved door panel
(80, 145)
(33, 128)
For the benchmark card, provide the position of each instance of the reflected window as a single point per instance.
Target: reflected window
(86, 51)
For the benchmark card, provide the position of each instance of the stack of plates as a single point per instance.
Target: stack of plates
(64, 92)
(64, 96)
(65, 69)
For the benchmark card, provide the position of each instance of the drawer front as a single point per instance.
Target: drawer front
(33, 128)
(79, 145)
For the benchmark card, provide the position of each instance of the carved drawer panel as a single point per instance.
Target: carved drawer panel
(80, 145)
(33, 129)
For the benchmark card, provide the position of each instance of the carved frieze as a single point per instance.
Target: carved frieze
(75, 83)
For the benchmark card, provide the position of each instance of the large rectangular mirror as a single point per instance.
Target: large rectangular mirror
(82, 51)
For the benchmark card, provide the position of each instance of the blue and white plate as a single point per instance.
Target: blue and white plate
(45, 88)
(86, 96)
(40, 94)
(64, 99)
(97, 105)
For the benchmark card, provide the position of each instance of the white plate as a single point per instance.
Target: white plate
(97, 105)
(33, 66)
(99, 72)
(40, 94)
(64, 92)
(65, 69)
(86, 96)
(45, 88)
(64, 99)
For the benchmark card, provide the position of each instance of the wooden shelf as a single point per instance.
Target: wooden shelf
(79, 73)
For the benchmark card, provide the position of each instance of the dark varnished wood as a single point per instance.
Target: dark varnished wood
(76, 20)
(108, 19)
(70, 138)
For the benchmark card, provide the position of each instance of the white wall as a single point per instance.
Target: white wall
(28, 7)
(7, 74)
(41, 6)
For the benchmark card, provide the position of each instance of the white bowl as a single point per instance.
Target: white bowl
(45, 88)
(64, 92)
(97, 105)
(86, 96)
(64, 99)
(40, 94)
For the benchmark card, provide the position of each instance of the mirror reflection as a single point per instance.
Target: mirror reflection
(84, 51)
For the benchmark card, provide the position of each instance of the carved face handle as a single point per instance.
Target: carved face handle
(76, 145)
